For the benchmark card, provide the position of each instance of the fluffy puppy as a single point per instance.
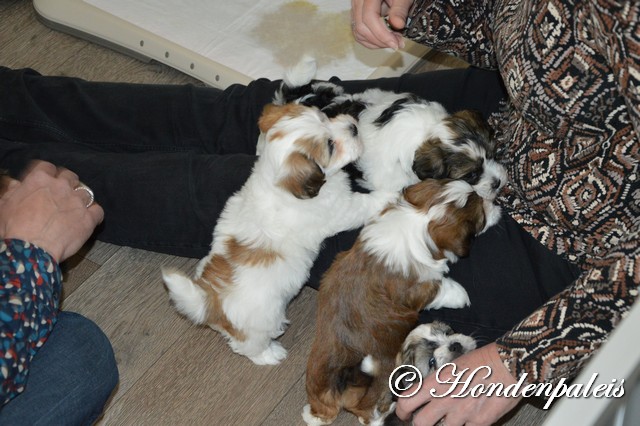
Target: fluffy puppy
(406, 138)
(270, 231)
(370, 297)
(427, 348)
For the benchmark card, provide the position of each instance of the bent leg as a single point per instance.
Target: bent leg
(71, 377)
(124, 117)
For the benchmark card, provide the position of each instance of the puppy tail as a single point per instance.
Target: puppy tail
(359, 376)
(188, 297)
(301, 73)
(294, 80)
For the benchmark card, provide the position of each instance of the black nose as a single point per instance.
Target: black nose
(495, 184)
(455, 347)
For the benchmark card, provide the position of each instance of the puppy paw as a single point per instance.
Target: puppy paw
(273, 355)
(312, 420)
(451, 295)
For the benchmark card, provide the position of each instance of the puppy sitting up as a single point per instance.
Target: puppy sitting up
(270, 231)
(371, 295)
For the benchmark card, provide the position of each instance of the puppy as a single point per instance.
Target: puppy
(370, 297)
(270, 231)
(427, 348)
(406, 138)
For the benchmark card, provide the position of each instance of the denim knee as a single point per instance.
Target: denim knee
(70, 380)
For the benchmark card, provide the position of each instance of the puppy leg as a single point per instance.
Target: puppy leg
(450, 295)
(273, 355)
(361, 208)
(316, 413)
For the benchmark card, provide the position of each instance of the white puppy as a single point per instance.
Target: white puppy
(270, 232)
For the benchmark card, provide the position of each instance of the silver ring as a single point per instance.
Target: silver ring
(89, 191)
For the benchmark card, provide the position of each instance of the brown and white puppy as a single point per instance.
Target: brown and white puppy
(271, 230)
(371, 295)
(406, 138)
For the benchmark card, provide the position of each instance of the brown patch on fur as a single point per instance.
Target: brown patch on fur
(304, 178)
(469, 124)
(364, 310)
(271, 113)
(252, 256)
(314, 149)
(423, 195)
(429, 160)
(455, 231)
(217, 274)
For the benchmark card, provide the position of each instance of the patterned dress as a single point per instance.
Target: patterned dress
(569, 138)
(30, 286)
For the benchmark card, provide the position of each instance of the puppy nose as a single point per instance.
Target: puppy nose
(495, 183)
(455, 347)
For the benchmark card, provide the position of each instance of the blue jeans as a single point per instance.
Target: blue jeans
(70, 379)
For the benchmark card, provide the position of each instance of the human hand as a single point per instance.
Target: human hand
(43, 209)
(479, 410)
(369, 28)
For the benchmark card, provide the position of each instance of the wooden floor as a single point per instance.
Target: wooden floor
(171, 372)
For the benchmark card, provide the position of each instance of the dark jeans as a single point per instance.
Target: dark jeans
(162, 161)
(70, 379)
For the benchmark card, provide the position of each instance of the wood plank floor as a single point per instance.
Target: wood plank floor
(171, 372)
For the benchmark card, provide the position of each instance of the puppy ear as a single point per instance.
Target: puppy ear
(471, 125)
(271, 113)
(424, 194)
(455, 231)
(304, 177)
(429, 160)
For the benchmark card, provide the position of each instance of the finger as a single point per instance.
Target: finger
(369, 28)
(406, 406)
(39, 166)
(7, 184)
(398, 13)
(430, 415)
(69, 176)
(86, 195)
(96, 213)
(373, 24)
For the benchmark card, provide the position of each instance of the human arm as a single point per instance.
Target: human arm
(463, 28)
(42, 221)
(559, 338)
(615, 34)
(460, 27)
(30, 287)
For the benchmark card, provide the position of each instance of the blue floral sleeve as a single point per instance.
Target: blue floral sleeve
(30, 286)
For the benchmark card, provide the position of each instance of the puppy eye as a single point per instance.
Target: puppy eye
(432, 363)
(472, 177)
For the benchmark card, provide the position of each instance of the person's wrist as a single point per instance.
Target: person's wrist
(50, 248)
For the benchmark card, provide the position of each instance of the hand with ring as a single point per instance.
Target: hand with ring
(369, 27)
(50, 208)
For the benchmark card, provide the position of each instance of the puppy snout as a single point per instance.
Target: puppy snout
(455, 347)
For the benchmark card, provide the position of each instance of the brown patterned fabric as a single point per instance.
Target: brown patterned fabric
(569, 138)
